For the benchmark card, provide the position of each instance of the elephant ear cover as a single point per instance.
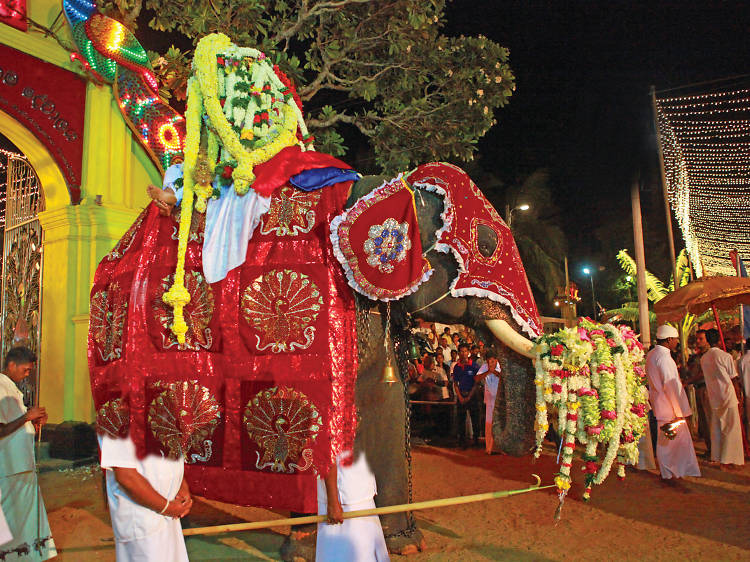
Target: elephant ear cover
(377, 243)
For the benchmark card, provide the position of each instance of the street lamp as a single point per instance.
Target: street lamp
(590, 273)
(509, 212)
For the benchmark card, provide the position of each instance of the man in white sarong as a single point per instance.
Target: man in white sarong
(670, 405)
(490, 373)
(745, 374)
(349, 487)
(726, 429)
(20, 496)
(147, 497)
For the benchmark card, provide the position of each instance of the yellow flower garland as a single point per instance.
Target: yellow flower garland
(203, 96)
(178, 296)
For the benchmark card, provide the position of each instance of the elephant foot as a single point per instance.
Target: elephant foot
(299, 545)
(405, 545)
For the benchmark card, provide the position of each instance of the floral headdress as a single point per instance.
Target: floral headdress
(241, 112)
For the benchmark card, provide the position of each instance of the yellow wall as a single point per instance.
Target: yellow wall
(76, 237)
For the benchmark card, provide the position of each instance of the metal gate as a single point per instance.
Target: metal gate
(22, 261)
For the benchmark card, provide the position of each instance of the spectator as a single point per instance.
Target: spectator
(446, 349)
(720, 373)
(466, 393)
(21, 498)
(490, 374)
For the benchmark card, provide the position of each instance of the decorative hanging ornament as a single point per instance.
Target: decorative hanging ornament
(377, 242)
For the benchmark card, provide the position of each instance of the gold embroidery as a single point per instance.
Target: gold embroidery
(291, 212)
(108, 313)
(284, 423)
(282, 305)
(183, 417)
(113, 418)
(198, 313)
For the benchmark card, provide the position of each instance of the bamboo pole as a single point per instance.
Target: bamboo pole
(429, 504)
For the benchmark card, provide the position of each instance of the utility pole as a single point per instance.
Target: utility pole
(640, 265)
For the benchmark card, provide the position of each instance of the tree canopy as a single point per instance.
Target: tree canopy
(383, 67)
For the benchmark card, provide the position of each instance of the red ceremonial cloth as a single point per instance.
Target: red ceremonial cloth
(377, 242)
(262, 392)
(499, 277)
(289, 162)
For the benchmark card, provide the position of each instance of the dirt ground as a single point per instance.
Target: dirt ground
(636, 519)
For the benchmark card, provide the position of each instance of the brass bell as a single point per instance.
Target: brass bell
(389, 373)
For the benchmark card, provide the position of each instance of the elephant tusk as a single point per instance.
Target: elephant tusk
(503, 332)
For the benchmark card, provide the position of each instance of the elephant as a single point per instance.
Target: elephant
(387, 444)
(384, 438)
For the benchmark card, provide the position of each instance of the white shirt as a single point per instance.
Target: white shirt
(130, 520)
(490, 381)
(355, 482)
(745, 372)
(668, 398)
(718, 371)
(16, 449)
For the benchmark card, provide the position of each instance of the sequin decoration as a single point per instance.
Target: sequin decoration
(198, 313)
(197, 225)
(113, 418)
(183, 418)
(124, 244)
(291, 213)
(387, 244)
(284, 423)
(282, 305)
(107, 321)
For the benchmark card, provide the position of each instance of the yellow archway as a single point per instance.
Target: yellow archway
(50, 176)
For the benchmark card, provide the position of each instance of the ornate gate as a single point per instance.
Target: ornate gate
(22, 260)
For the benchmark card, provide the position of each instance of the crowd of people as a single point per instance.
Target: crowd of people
(457, 369)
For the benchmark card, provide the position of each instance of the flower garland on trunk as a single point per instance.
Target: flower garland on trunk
(592, 376)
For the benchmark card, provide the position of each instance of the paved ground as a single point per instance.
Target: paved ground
(638, 519)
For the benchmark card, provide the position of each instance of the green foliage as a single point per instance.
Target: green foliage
(416, 94)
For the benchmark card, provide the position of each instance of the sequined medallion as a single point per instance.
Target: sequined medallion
(291, 213)
(198, 313)
(113, 418)
(282, 305)
(107, 321)
(387, 244)
(284, 423)
(183, 418)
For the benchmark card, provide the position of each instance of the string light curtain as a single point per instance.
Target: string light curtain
(705, 140)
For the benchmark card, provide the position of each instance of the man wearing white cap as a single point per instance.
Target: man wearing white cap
(670, 406)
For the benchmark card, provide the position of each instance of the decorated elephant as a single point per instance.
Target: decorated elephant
(250, 358)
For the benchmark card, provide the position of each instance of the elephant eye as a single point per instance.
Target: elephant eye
(486, 240)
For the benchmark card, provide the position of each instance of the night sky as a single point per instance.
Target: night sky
(582, 105)
(582, 109)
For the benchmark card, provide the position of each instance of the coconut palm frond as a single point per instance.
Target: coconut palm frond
(628, 312)
(683, 270)
(654, 287)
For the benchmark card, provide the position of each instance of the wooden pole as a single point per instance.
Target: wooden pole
(718, 327)
(670, 234)
(640, 266)
(430, 504)
(742, 309)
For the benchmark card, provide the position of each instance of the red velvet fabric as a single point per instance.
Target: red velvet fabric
(271, 347)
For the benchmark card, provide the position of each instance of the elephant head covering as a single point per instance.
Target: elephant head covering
(500, 276)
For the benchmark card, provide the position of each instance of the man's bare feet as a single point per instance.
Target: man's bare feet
(164, 198)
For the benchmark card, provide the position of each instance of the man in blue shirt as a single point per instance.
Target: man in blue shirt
(466, 393)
